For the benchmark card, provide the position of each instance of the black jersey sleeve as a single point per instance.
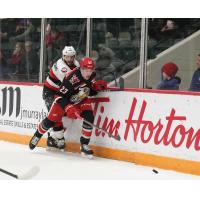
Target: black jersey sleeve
(66, 88)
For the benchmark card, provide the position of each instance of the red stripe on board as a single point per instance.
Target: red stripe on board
(98, 99)
(125, 89)
(20, 83)
(159, 91)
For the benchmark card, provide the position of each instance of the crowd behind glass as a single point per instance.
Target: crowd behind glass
(115, 44)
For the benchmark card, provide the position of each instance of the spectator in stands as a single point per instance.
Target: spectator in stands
(104, 68)
(4, 70)
(7, 28)
(167, 28)
(154, 28)
(23, 30)
(169, 79)
(30, 60)
(162, 29)
(3, 35)
(170, 25)
(174, 28)
(1, 66)
(195, 82)
(54, 43)
(16, 58)
(175, 23)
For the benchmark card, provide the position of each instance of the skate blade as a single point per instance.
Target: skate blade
(53, 149)
(90, 157)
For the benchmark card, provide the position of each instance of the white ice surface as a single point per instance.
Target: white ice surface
(67, 166)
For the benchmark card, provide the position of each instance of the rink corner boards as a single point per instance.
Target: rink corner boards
(139, 158)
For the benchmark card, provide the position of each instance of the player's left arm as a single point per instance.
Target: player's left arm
(97, 85)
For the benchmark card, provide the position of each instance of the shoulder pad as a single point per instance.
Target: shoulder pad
(62, 66)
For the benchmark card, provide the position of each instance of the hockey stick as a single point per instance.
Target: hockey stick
(97, 127)
(29, 174)
(121, 83)
(113, 90)
(120, 88)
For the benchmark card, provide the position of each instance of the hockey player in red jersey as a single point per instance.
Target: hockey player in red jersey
(51, 86)
(73, 100)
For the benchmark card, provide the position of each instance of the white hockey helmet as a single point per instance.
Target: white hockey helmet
(68, 51)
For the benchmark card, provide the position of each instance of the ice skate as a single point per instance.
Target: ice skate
(86, 151)
(34, 140)
(55, 144)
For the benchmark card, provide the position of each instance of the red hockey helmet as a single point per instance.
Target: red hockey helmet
(87, 63)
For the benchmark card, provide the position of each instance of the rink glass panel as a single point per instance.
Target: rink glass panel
(69, 32)
(114, 44)
(179, 45)
(20, 46)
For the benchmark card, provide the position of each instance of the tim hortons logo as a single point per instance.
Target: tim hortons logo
(170, 132)
(159, 132)
(106, 124)
(10, 98)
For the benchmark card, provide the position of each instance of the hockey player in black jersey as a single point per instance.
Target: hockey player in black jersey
(73, 101)
(59, 70)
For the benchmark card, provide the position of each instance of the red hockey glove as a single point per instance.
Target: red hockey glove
(73, 112)
(99, 85)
